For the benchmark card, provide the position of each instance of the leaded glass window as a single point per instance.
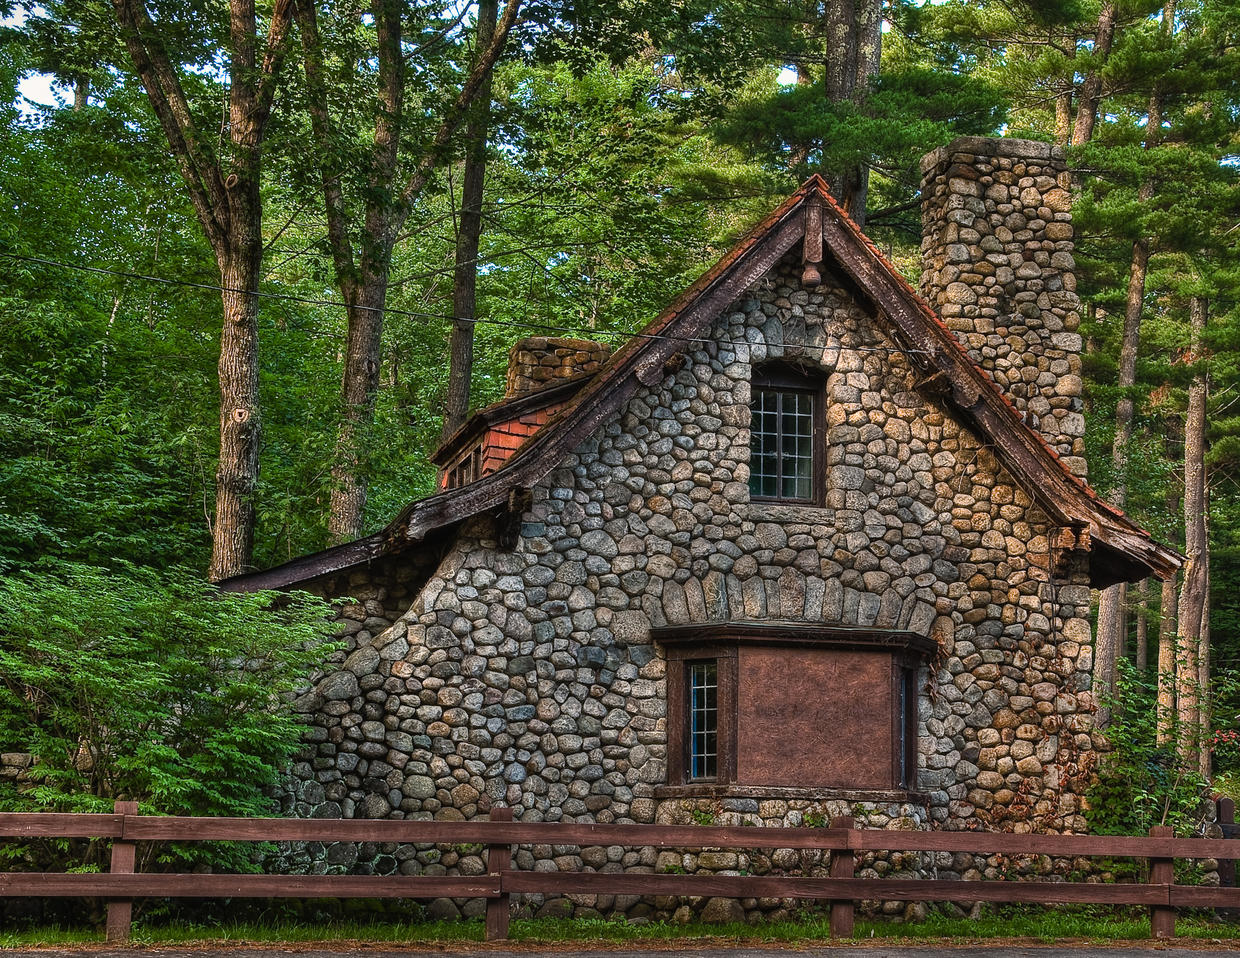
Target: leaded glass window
(703, 720)
(782, 431)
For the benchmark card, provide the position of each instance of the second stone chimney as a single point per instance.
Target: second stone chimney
(997, 265)
(540, 361)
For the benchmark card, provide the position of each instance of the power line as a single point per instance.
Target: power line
(415, 314)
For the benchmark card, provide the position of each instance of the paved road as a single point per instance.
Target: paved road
(1203, 949)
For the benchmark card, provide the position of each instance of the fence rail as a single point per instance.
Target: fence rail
(501, 834)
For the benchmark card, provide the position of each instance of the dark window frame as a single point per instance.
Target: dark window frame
(679, 757)
(904, 727)
(702, 729)
(780, 378)
(720, 643)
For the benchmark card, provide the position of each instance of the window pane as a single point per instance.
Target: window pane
(703, 720)
(782, 444)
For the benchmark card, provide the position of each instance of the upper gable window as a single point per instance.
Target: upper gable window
(785, 437)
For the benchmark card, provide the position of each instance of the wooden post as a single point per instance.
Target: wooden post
(1227, 825)
(1162, 872)
(499, 861)
(120, 911)
(1227, 866)
(843, 865)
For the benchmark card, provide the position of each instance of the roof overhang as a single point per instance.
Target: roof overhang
(1119, 550)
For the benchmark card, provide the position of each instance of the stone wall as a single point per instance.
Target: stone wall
(541, 360)
(529, 677)
(997, 265)
(15, 766)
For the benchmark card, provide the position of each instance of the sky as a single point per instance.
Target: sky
(37, 87)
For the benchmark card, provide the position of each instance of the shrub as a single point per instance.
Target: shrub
(151, 687)
(1141, 783)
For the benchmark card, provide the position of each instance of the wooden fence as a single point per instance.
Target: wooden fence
(500, 834)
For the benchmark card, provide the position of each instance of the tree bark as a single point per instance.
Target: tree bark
(363, 276)
(81, 92)
(363, 341)
(1205, 706)
(1106, 646)
(1167, 624)
(469, 234)
(1063, 116)
(1143, 627)
(228, 204)
(869, 15)
(1193, 621)
(1091, 88)
(852, 57)
(1111, 624)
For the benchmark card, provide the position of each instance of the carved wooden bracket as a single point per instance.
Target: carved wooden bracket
(508, 522)
(1065, 540)
(811, 250)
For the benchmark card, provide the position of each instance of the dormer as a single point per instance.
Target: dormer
(544, 373)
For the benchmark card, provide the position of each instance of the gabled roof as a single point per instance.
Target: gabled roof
(1119, 549)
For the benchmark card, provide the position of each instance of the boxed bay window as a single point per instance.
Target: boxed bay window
(791, 705)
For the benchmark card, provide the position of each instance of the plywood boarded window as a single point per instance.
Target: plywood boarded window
(792, 705)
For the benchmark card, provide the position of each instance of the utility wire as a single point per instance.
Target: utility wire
(394, 311)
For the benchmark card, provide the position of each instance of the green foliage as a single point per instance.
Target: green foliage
(702, 816)
(149, 686)
(1141, 783)
(907, 112)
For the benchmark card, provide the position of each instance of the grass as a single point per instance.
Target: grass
(1024, 922)
(1228, 784)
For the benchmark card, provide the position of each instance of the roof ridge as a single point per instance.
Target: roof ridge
(641, 362)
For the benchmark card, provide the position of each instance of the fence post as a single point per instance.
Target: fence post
(843, 865)
(1226, 820)
(120, 911)
(499, 861)
(1162, 872)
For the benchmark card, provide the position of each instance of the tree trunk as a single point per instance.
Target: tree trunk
(1063, 116)
(1197, 551)
(363, 279)
(1111, 621)
(240, 418)
(228, 204)
(465, 274)
(869, 14)
(841, 53)
(1106, 647)
(363, 342)
(1205, 706)
(853, 51)
(1167, 623)
(1143, 627)
(81, 92)
(1111, 606)
(1091, 88)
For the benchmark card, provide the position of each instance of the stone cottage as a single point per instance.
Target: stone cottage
(809, 544)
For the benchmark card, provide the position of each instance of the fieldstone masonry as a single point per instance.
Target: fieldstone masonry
(543, 360)
(528, 677)
(997, 265)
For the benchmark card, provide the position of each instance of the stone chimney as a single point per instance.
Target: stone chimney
(996, 256)
(541, 361)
